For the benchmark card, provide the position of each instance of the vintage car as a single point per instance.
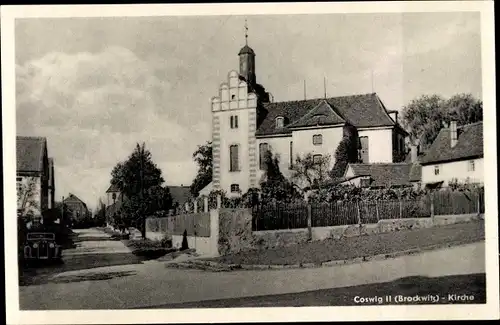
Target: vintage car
(42, 246)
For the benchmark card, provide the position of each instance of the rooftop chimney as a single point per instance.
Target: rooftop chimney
(453, 133)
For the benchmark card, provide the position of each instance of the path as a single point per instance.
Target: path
(151, 284)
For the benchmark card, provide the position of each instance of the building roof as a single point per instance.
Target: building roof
(469, 145)
(416, 173)
(113, 188)
(246, 50)
(180, 194)
(29, 153)
(74, 198)
(384, 174)
(365, 110)
(322, 115)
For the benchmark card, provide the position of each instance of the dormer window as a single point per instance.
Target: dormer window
(280, 122)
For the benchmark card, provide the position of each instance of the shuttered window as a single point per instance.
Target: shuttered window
(233, 156)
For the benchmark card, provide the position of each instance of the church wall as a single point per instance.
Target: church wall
(379, 144)
(331, 137)
(278, 146)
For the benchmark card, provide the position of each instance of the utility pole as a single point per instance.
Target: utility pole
(324, 85)
(305, 97)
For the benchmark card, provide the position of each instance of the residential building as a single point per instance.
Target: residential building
(77, 207)
(246, 122)
(455, 154)
(379, 175)
(34, 176)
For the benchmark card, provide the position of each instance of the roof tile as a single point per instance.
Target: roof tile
(29, 153)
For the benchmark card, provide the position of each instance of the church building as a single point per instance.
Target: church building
(246, 122)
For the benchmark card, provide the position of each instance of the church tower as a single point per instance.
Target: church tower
(247, 62)
(234, 123)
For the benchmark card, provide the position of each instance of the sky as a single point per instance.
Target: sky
(94, 87)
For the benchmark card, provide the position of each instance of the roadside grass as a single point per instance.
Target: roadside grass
(358, 247)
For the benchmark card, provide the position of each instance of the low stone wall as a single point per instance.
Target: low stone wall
(155, 235)
(235, 231)
(203, 245)
(269, 239)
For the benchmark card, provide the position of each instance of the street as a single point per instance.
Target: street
(151, 284)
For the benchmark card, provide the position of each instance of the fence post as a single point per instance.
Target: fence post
(195, 206)
(359, 215)
(219, 201)
(400, 209)
(431, 195)
(186, 206)
(376, 209)
(309, 221)
(478, 203)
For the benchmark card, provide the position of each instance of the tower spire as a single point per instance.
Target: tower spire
(246, 32)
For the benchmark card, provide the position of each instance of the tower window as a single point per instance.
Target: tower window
(263, 148)
(291, 154)
(280, 122)
(232, 96)
(317, 139)
(235, 188)
(234, 121)
(436, 170)
(233, 156)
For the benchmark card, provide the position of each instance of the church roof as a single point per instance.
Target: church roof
(363, 110)
(246, 50)
(322, 115)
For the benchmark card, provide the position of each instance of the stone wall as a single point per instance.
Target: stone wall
(235, 231)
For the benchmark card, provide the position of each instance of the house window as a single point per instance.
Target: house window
(233, 156)
(234, 121)
(436, 170)
(291, 154)
(317, 159)
(235, 188)
(364, 182)
(317, 139)
(263, 148)
(280, 122)
(472, 166)
(363, 152)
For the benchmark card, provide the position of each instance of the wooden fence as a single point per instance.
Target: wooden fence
(284, 216)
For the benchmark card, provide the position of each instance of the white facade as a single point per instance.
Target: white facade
(234, 103)
(471, 170)
(279, 146)
(379, 144)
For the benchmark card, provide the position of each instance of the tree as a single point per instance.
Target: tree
(311, 170)
(27, 205)
(203, 158)
(273, 186)
(346, 152)
(140, 180)
(424, 116)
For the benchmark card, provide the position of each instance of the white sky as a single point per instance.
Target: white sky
(96, 86)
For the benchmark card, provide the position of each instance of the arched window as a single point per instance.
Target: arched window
(233, 156)
(280, 122)
(263, 148)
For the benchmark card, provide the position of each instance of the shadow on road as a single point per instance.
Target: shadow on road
(471, 285)
(92, 277)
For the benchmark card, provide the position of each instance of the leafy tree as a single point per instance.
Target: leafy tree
(273, 186)
(424, 116)
(346, 152)
(309, 171)
(27, 205)
(203, 158)
(140, 180)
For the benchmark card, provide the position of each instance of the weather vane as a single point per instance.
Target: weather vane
(246, 32)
